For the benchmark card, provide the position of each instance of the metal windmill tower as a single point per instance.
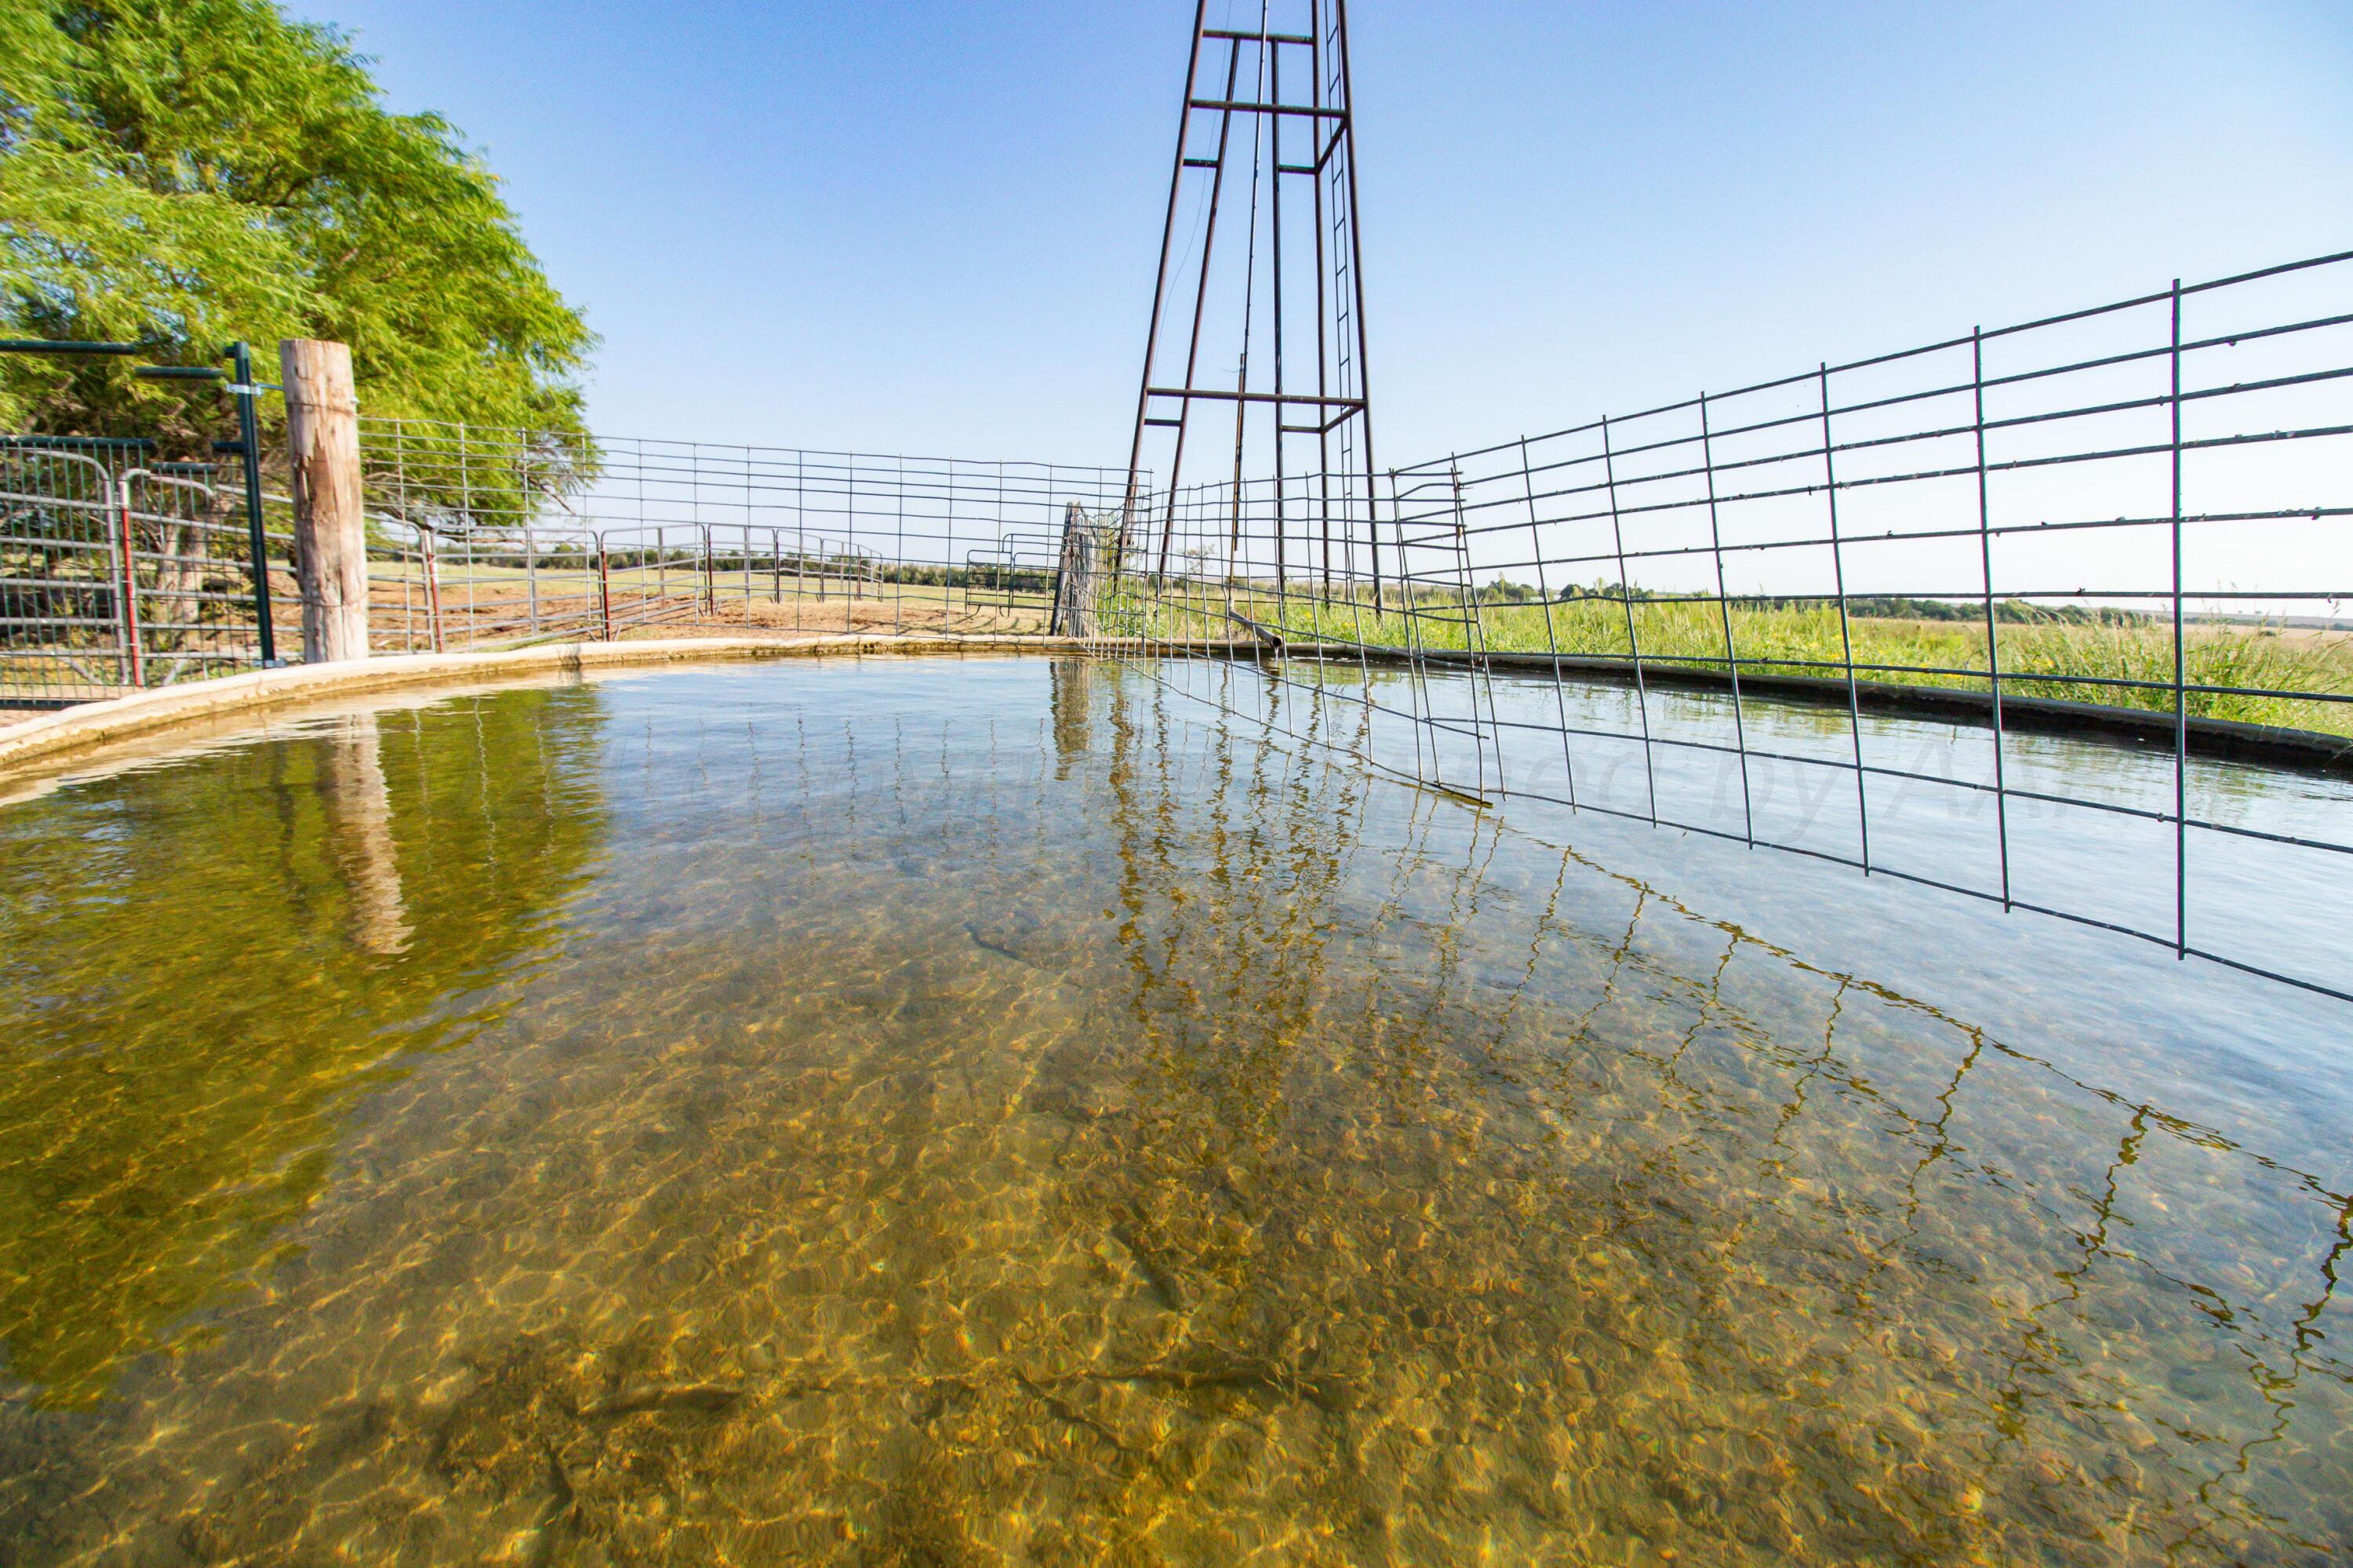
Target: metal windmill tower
(1255, 375)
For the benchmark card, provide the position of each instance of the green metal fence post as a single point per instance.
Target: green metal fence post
(248, 439)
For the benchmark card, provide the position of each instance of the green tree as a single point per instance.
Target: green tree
(197, 171)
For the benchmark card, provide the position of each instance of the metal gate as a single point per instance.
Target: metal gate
(121, 570)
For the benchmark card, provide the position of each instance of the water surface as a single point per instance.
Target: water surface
(993, 1110)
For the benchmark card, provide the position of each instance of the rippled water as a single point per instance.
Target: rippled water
(964, 1111)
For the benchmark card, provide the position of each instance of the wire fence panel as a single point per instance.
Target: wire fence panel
(60, 569)
(483, 537)
(192, 556)
(118, 571)
(2127, 521)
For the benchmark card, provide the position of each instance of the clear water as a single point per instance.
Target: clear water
(970, 1111)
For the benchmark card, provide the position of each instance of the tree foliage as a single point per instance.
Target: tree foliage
(199, 171)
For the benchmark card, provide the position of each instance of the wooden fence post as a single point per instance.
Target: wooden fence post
(330, 528)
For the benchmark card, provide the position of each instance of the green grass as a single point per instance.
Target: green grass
(1794, 641)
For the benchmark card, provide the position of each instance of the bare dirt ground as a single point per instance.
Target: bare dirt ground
(846, 617)
(492, 610)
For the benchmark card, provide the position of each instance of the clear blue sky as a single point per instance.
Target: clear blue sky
(927, 226)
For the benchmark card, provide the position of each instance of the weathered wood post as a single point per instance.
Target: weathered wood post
(323, 428)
